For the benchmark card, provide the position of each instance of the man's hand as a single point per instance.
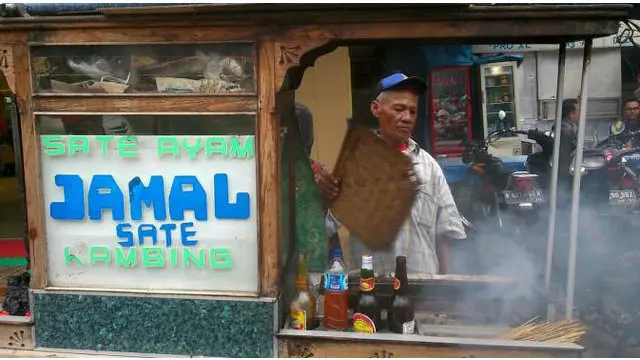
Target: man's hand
(329, 187)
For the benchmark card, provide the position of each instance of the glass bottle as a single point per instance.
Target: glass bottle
(303, 306)
(366, 318)
(401, 313)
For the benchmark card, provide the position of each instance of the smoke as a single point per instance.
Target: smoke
(514, 262)
(518, 252)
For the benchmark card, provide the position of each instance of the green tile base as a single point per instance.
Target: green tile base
(139, 324)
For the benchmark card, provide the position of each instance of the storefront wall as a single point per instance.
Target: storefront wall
(538, 82)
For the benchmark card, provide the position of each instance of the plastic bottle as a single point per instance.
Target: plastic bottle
(336, 293)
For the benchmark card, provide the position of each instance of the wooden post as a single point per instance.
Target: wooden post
(268, 139)
(32, 176)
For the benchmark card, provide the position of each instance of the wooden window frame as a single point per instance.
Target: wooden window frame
(262, 104)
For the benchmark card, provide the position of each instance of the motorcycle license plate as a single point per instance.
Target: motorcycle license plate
(622, 197)
(522, 197)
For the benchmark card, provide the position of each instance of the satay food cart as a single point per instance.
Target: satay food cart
(186, 109)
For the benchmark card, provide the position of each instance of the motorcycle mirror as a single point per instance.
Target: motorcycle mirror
(501, 115)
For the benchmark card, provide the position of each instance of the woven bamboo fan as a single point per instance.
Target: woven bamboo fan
(377, 191)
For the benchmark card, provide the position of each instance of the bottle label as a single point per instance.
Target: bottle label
(367, 284)
(302, 283)
(396, 283)
(336, 281)
(298, 319)
(409, 327)
(363, 323)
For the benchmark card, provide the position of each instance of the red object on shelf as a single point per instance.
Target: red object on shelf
(13, 248)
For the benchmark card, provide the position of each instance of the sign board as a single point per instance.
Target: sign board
(603, 42)
(151, 213)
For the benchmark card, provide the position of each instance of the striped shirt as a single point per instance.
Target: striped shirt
(434, 215)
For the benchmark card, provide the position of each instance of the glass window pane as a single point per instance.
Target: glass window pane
(150, 202)
(114, 124)
(144, 69)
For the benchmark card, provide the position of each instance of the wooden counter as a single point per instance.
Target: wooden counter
(325, 344)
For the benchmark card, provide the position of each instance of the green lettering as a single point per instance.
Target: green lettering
(188, 257)
(78, 143)
(127, 146)
(216, 145)
(220, 258)
(242, 151)
(173, 257)
(104, 140)
(128, 260)
(193, 150)
(99, 254)
(152, 257)
(69, 258)
(168, 144)
(53, 145)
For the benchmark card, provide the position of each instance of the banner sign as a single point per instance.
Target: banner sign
(612, 41)
(151, 212)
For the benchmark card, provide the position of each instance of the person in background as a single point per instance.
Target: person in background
(568, 133)
(631, 121)
(304, 119)
(434, 220)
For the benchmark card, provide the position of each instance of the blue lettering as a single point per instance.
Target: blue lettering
(123, 232)
(99, 200)
(186, 194)
(72, 208)
(185, 234)
(147, 230)
(181, 199)
(224, 209)
(152, 195)
(168, 228)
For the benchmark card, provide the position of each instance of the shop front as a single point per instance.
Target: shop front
(167, 193)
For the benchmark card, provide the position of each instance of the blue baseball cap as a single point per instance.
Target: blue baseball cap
(399, 79)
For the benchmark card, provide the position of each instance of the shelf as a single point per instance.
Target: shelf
(501, 103)
(498, 86)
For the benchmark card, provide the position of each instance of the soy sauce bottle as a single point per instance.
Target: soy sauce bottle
(401, 313)
(366, 317)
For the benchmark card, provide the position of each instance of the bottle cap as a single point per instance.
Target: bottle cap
(335, 253)
(401, 259)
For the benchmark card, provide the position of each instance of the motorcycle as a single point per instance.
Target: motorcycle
(489, 191)
(613, 167)
(540, 163)
(500, 209)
